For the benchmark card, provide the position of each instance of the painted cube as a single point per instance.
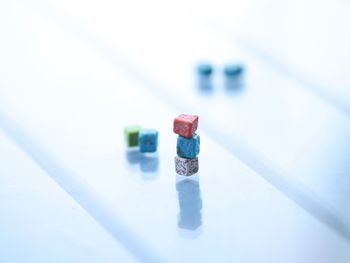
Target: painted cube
(132, 135)
(205, 69)
(188, 147)
(185, 166)
(185, 125)
(233, 70)
(148, 140)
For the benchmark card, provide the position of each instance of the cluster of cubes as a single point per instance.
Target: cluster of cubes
(186, 161)
(145, 139)
(232, 72)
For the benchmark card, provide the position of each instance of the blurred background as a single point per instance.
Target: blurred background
(274, 177)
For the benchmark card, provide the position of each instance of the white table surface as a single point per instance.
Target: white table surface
(273, 182)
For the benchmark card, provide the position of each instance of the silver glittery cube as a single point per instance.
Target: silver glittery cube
(185, 166)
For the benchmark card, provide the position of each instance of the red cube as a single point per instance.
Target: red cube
(185, 125)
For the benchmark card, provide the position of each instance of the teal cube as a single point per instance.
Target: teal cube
(148, 140)
(188, 147)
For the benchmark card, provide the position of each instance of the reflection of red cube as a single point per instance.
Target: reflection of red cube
(185, 125)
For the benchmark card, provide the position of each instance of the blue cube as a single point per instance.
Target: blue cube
(205, 70)
(148, 140)
(188, 147)
(233, 70)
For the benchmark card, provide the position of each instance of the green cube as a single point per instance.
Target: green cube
(132, 135)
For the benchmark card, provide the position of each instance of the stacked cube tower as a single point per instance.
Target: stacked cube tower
(186, 161)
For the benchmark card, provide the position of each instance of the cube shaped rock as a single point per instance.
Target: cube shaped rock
(233, 70)
(188, 147)
(132, 135)
(148, 140)
(185, 125)
(185, 166)
(204, 69)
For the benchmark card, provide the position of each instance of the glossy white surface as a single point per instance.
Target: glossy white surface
(39, 222)
(273, 124)
(308, 41)
(66, 96)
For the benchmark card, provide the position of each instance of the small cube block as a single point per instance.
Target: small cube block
(185, 166)
(185, 125)
(148, 140)
(205, 69)
(132, 135)
(233, 70)
(188, 147)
